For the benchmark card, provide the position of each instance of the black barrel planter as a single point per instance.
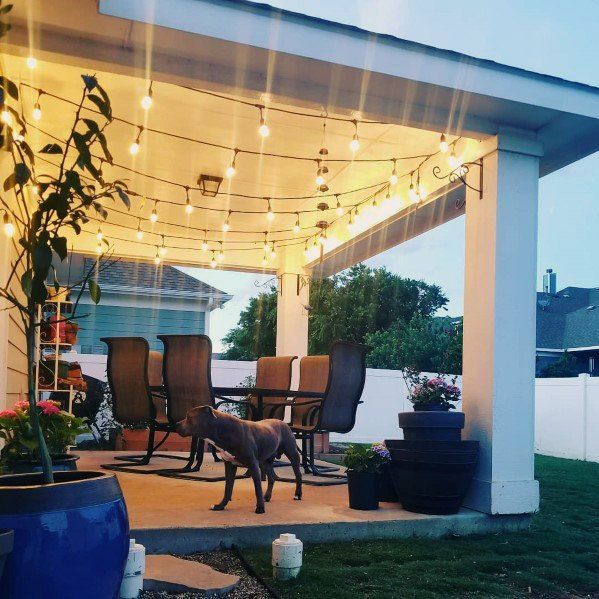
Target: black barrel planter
(6, 544)
(432, 477)
(60, 463)
(433, 425)
(363, 490)
(71, 538)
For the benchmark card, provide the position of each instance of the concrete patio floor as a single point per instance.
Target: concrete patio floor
(174, 516)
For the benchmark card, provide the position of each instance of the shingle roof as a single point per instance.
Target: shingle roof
(568, 319)
(143, 276)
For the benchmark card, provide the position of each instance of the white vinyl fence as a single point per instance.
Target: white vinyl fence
(567, 410)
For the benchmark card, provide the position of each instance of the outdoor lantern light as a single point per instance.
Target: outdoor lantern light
(209, 185)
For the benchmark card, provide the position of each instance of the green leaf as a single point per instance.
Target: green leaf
(94, 291)
(26, 279)
(103, 107)
(39, 293)
(59, 245)
(27, 149)
(9, 182)
(10, 87)
(41, 257)
(90, 82)
(5, 9)
(51, 149)
(124, 197)
(22, 173)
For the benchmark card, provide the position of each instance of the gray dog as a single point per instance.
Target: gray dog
(254, 445)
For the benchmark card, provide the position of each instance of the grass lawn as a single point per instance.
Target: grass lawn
(557, 557)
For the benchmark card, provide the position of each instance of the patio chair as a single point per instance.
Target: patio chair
(336, 411)
(128, 368)
(272, 372)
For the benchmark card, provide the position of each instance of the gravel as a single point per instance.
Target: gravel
(223, 561)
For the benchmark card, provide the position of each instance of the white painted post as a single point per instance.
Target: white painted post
(499, 326)
(292, 316)
(584, 379)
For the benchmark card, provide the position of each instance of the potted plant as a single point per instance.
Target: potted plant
(384, 485)
(6, 545)
(20, 453)
(432, 398)
(363, 466)
(72, 518)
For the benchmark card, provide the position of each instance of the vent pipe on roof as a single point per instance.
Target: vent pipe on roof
(550, 282)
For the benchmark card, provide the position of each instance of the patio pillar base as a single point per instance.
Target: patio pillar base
(499, 325)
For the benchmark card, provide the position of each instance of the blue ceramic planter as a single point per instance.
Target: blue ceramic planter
(71, 538)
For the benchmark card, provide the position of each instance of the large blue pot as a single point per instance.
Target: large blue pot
(71, 538)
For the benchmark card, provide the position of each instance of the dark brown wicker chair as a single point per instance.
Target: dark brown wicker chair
(336, 411)
(130, 365)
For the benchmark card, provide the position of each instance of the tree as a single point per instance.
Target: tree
(565, 367)
(351, 306)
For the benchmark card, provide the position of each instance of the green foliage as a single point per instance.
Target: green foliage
(361, 458)
(563, 368)
(356, 305)
(556, 557)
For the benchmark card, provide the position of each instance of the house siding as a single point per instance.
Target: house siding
(121, 321)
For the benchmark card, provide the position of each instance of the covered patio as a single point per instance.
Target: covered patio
(254, 139)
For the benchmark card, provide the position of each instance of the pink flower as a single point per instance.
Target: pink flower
(8, 414)
(49, 407)
(22, 405)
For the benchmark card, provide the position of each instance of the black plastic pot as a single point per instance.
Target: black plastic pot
(60, 463)
(6, 545)
(433, 425)
(432, 477)
(71, 538)
(363, 491)
(384, 486)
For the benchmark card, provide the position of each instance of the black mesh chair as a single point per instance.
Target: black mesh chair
(336, 411)
(132, 400)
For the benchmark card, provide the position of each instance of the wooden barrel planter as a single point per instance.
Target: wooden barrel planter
(432, 477)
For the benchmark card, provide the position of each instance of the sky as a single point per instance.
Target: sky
(555, 37)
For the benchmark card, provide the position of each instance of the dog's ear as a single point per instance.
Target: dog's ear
(208, 410)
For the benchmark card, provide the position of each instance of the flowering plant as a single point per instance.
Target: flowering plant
(433, 392)
(360, 458)
(21, 443)
(381, 450)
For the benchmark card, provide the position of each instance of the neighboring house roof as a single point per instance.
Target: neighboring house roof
(144, 278)
(569, 319)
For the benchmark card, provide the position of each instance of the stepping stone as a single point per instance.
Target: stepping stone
(175, 575)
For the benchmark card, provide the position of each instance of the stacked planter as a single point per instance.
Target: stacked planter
(432, 467)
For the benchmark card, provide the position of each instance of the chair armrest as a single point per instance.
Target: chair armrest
(240, 402)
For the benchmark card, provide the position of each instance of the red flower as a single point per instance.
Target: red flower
(8, 414)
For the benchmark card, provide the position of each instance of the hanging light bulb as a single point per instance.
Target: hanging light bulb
(221, 254)
(375, 203)
(296, 227)
(134, 147)
(204, 245)
(306, 250)
(264, 260)
(31, 62)
(19, 137)
(273, 251)
(351, 222)
(188, 204)
(263, 129)
(154, 214)
(140, 233)
(320, 172)
(412, 194)
(354, 144)
(213, 260)
(163, 249)
(146, 101)
(9, 228)
(6, 117)
(99, 234)
(339, 207)
(226, 223)
(99, 249)
(393, 179)
(270, 215)
(230, 172)
(357, 214)
(37, 112)
(453, 160)
(157, 258)
(265, 246)
(35, 188)
(443, 146)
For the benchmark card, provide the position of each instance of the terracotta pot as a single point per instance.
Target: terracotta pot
(137, 440)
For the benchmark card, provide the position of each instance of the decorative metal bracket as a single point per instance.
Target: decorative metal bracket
(460, 173)
(302, 281)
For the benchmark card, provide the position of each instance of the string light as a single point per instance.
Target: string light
(157, 258)
(99, 249)
(188, 204)
(393, 179)
(453, 160)
(6, 117)
(99, 234)
(351, 222)
(412, 194)
(221, 253)
(354, 144)
(204, 245)
(226, 225)
(230, 172)
(270, 215)
(306, 250)
(134, 147)
(339, 207)
(264, 260)
(31, 62)
(263, 129)
(146, 101)
(213, 260)
(9, 228)
(140, 233)
(19, 137)
(266, 246)
(273, 252)
(443, 146)
(421, 188)
(296, 226)
(37, 108)
(154, 214)
(162, 248)
(35, 188)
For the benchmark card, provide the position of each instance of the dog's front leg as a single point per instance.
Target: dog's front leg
(256, 474)
(230, 472)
